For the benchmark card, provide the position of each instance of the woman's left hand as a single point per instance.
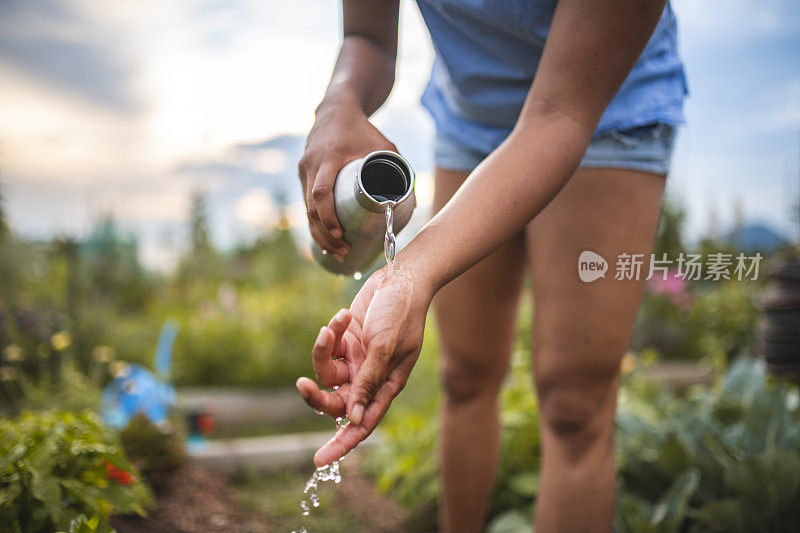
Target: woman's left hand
(367, 353)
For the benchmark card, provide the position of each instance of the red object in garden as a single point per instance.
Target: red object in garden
(119, 475)
(205, 423)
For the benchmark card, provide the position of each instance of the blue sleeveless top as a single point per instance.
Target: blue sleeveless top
(487, 52)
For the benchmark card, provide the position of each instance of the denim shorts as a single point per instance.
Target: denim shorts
(644, 148)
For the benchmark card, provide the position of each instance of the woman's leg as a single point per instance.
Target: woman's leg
(581, 330)
(476, 315)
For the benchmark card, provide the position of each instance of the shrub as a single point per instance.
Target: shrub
(722, 458)
(56, 467)
(717, 321)
(156, 451)
(725, 459)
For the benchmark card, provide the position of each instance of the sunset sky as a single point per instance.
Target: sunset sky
(125, 108)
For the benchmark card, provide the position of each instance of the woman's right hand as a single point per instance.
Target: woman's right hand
(341, 133)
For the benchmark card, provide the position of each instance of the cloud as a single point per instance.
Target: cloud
(62, 48)
(109, 106)
(257, 208)
(269, 164)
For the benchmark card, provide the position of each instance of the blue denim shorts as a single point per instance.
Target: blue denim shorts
(644, 148)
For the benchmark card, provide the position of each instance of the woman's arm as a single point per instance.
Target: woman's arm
(362, 80)
(591, 48)
(364, 72)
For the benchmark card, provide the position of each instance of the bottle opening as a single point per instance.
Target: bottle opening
(385, 177)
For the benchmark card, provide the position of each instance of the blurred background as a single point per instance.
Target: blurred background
(157, 300)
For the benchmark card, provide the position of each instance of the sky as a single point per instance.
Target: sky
(110, 107)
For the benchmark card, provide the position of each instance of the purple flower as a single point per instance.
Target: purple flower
(674, 286)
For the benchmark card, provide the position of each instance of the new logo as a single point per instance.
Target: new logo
(591, 266)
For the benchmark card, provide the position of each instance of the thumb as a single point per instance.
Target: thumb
(365, 385)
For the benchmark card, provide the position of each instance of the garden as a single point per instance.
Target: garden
(715, 448)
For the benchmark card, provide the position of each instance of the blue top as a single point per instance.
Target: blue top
(487, 53)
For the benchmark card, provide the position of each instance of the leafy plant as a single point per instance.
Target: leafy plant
(64, 471)
(722, 458)
(156, 451)
(726, 459)
(717, 322)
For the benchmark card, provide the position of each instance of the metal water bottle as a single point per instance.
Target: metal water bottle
(361, 193)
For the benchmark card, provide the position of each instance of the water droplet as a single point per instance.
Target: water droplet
(324, 252)
(357, 276)
(329, 472)
(319, 412)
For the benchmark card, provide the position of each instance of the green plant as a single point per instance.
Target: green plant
(75, 391)
(56, 467)
(156, 451)
(722, 459)
(717, 321)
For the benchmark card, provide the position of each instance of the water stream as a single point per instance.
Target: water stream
(330, 472)
(389, 241)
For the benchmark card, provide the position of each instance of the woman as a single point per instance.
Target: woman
(555, 123)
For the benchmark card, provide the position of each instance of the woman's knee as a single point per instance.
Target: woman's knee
(577, 403)
(466, 377)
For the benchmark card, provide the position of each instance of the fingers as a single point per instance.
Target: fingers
(318, 192)
(366, 384)
(338, 324)
(321, 400)
(351, 435)
(322, 194)
(331, 372)
(325, 241)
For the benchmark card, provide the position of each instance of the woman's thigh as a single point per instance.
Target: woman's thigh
(582, 328)
(476, 312)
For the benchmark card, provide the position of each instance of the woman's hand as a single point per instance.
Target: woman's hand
(340, 134)
(367, 352)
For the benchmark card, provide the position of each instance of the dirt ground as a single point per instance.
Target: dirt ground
(193, 500)
(190, 500)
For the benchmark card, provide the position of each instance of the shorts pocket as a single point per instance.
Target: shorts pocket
(633, 137)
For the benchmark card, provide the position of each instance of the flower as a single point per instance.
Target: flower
(7, 373)
(123, 477)
(103, 354)
(628, 363)
(674, 287)
(13, 353)
(61, 340)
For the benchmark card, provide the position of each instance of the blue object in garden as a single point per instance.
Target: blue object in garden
(166, 340)
(137, 390)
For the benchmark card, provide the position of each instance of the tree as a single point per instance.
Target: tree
(201, 263)
(3, 225)
(669, 238)
(198, 224)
